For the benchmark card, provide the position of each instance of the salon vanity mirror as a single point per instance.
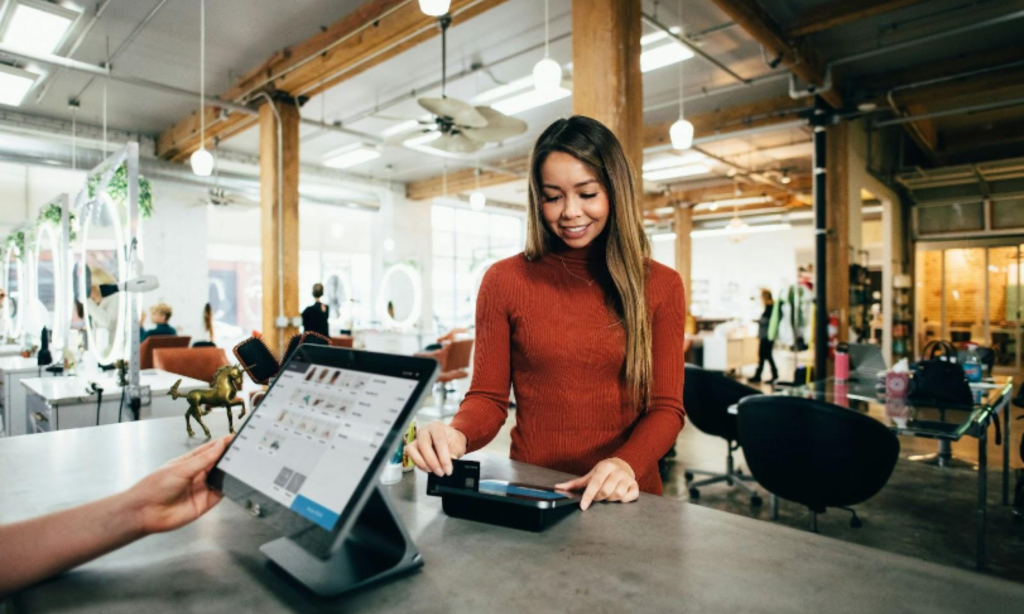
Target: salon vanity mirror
(100, 267)
(13, 282)
(401, 296)
(45, 308)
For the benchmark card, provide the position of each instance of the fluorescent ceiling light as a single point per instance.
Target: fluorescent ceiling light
(406, 126)
(504, 90)
(665, 55)
(734, 202)
(671, 161)
(676, 172)
(350, 155)
(14, 84)
(723, 232)
(667, 236)
(530, 100)
(658, 35)
(39, 27)
(422, 140)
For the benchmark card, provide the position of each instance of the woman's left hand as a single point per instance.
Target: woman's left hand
(610, 480)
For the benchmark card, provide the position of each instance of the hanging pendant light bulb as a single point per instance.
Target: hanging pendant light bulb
(202, 160)
(435, 8)
(477, 200)
(547, 74)
(681, 132)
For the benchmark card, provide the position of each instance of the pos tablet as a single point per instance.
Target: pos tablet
(307, 460)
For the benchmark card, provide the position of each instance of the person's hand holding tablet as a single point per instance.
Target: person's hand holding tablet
(435, 446)
(610, 480)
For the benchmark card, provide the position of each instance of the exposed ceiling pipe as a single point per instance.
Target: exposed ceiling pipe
(977, 108)
(725, 89)
(74, 47)
(131, 37)
(695, 49)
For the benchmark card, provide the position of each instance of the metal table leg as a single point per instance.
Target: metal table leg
(1006, 453)
(774, 503)
(979, 522)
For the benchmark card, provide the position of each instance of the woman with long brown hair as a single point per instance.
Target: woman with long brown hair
(586, 327)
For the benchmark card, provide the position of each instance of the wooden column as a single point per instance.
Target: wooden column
(607, 84)
(283, 245)
(838, 219)
(683, 225)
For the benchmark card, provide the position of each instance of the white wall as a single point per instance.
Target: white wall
(734, 273)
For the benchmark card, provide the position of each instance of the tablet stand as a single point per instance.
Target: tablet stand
(374, 549)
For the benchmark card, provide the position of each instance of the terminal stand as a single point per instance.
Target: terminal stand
(376, 548)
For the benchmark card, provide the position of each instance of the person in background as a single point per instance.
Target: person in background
(765, 332)
(160, 314)
(206, 338)
(169, 498)
(314, 317)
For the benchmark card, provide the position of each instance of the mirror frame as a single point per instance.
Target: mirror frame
(13, 329)
(59, 325)
(417, 301)
(116, 349)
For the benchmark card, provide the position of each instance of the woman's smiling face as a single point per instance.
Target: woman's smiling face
(574, 202)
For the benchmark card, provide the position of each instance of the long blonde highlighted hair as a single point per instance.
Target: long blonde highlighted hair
(628, 249)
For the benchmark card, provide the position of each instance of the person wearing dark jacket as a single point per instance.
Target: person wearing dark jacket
(314, 317)
(764, 351)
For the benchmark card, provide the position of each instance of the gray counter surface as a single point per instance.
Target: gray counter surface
(655, 555)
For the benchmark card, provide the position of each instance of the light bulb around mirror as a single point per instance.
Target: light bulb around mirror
(681, 134)
(435, 8)
(477, 200)
(547, 75)
(202, 162)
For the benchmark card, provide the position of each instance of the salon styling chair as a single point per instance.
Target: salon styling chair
(707, 397)
(814, 453)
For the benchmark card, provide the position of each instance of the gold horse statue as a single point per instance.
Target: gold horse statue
(227, 381)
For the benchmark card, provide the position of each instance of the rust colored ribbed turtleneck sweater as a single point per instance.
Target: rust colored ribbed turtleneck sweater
(544, 328)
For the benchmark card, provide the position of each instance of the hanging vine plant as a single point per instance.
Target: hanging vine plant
(118, 189)
(53, 214)
(17, 240)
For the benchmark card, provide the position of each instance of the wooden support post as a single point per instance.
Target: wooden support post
(837, 180)
(683, 226)
(607, 83)
(279, 220)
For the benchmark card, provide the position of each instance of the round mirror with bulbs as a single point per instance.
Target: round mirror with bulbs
(13, 279)
(101, 267)
(401, 296)
(337, 294)
(47, 304)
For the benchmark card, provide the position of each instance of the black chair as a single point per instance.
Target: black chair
(817, 454)
(204, 344)
(707, 396)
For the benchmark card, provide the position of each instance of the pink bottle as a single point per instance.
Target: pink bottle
(842, 363)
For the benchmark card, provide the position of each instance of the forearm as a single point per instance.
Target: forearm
(651, 439)
(480, 418)
(39, 548)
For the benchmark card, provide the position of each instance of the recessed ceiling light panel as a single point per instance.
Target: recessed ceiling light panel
(37, 26)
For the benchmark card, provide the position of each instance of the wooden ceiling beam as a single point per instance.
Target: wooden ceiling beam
(799, 55)
(377, 31)
(842, 12)
(722, 192)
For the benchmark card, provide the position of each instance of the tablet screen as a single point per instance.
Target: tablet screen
(313, 438)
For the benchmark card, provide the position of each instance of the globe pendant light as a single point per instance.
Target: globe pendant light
(435, 8)
(477, 200)
(681, 132)
(202, 160)
(547, 74)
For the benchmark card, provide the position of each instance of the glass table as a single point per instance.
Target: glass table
(946, 423)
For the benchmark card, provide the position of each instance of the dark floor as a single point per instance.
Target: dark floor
(924, 511)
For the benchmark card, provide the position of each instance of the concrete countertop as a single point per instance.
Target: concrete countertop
(64, 390)
(17, 364)
(655, 555)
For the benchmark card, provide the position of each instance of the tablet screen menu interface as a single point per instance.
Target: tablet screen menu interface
(314, 436)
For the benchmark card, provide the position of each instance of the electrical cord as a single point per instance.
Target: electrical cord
(94, 389)
(120, 407)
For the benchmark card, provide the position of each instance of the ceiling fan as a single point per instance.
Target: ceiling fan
(217, 196)
(461, 127)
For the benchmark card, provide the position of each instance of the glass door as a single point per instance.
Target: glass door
(1004, 307)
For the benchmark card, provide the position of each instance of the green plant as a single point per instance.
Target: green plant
(53, 214)
(118, 189)
(17, 239)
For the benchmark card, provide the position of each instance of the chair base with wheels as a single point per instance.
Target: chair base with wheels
(732, 476)
(855, 521)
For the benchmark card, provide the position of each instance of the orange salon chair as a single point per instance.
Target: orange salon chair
(198, 363)
(147, 347)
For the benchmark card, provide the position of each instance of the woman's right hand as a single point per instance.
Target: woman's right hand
(435, 446)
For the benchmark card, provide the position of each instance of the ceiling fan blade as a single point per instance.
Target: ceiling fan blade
(401, 137)
(461, 113)
(456, 143)
(500, 127)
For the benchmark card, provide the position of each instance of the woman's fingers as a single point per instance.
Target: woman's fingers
(413, 450)
(426, 444)
(577, 484)
(611, 484)
(444, 456)
(634, 493)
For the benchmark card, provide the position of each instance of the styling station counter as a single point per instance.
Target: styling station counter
(655, 555)
(10, 350)
(59, 403)
(13, 369)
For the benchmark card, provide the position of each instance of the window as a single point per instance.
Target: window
(465, 244)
